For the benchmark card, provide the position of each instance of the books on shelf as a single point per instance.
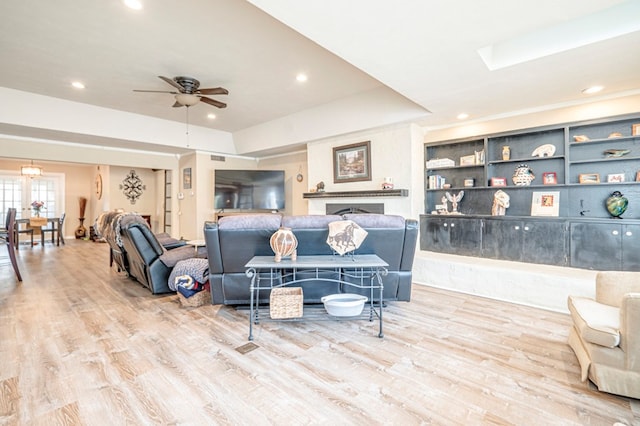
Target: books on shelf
(436, 182)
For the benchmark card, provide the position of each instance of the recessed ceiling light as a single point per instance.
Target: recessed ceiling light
(301, 77)
(463, 116)
(133, 4)
(592, 89)
(211, 116)
(77, 85)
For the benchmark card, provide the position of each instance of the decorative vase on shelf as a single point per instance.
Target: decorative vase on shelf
(506, 153)
(284, 243)
(616, 204)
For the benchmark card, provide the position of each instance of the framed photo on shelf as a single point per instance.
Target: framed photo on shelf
(545, 203)
(615, 178)
(589, 178)
(638, 176)
(550, 178)
(635, 129)
(352, 163)
(186, 178)
(498, 181)
(468, 160)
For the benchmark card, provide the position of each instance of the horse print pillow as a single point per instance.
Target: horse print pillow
(345, 236)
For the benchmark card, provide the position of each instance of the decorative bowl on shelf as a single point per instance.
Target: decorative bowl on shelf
(344, 304)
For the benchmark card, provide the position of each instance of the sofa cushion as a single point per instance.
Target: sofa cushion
(309, 221)
(596, 322)
(250, 221)
(376, 220)
(171, 257)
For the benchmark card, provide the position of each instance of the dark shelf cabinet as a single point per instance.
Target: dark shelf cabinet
(604, 246)
(452, 235)
(533, 241)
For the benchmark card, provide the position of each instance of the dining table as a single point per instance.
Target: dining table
(38, 222)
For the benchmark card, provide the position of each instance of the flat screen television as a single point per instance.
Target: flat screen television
(249, 189)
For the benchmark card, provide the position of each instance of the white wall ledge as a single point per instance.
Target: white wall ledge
(541, 286)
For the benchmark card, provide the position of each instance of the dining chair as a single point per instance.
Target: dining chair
(8, 235)
(55, 229)
(22, 230)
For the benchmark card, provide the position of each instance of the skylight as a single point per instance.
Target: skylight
(608, 23)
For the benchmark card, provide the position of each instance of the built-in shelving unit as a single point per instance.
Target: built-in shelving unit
(583, 169)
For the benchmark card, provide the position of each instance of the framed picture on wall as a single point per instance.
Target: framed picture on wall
(352, 163)
(186, 178)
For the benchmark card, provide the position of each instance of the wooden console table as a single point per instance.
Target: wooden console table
(359, 271)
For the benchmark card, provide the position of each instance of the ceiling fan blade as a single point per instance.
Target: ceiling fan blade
(177, 105)
(155, 91)
(214, 91)
(213, 102)
(171, 82)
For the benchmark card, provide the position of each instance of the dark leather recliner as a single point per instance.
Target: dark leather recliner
(149, 262)
(109, 226)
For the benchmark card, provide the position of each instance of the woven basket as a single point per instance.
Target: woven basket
(286, 302)
(199, 299)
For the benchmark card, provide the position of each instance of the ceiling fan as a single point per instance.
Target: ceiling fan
(188, 92)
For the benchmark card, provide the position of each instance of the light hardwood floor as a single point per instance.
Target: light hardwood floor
(82, 344)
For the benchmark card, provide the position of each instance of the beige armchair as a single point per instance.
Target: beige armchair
(606, 333)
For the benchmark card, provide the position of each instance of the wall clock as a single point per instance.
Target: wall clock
(99, 186)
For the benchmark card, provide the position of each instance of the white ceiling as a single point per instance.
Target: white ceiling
(425, 51)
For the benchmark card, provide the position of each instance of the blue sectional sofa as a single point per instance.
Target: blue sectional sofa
(234, 240)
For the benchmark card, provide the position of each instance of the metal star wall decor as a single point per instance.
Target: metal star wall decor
(132, 186)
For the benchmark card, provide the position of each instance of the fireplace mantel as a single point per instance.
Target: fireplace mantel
(358, 194)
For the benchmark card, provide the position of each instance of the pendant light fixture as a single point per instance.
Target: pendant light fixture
(31, 170)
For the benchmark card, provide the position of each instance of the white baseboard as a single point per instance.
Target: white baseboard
(540, 286)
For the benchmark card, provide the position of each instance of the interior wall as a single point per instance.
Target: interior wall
(186, 201)
(391, 156)
(145, 204)
(194, 205)
(292, 164)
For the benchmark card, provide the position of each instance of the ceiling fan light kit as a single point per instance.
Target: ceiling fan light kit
(188, 92)
(185, 99)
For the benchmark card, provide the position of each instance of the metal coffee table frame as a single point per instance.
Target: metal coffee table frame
(365, 269)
